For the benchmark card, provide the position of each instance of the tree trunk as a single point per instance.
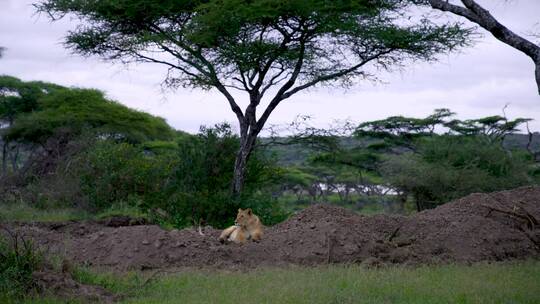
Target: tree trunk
(247, 143)
(537, 73)
(15, 158)
(4, 158)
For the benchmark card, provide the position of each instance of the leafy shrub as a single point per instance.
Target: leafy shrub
(18, 260)
(199, 190)
(448, 167)
(183, 183)
(121, 172)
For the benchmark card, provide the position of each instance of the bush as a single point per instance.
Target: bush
(182, 183)
(199, 190)
(449, 167)
(121, 172)
(18, 260)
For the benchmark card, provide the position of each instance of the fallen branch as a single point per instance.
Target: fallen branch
(531, 221)
(394, 234)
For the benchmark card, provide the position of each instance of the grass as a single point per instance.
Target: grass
(480, 283)
(18, 261)
(24, 213)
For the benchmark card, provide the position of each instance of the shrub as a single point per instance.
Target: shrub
(121, 172)
(448, 167)
(199, 190)
(182, 183)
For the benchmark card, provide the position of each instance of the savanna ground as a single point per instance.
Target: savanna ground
(482, 248)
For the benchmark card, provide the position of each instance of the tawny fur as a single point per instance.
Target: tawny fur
(248, 227)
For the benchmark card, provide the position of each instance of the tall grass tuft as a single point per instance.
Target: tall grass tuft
(18, 260)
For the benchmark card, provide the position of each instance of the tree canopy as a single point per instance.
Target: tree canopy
(18, 97)
(83, 110)
(401, 131)
(34, 111)
(257, 47)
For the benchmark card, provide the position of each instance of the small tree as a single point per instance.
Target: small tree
(402, 131)
(462, 157)
(40, 122)
(263, 47)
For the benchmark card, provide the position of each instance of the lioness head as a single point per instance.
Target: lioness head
(243, 217)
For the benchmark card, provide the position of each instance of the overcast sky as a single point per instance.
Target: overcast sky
(477, 82)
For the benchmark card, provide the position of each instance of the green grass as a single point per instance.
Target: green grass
(121, 208)
(25, 213)
(481, 283)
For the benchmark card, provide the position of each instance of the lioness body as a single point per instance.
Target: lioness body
(247, 226)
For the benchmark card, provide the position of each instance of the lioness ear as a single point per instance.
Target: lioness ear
(248, 210)
(239, 209)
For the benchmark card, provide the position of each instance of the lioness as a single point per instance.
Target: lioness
(247, 226)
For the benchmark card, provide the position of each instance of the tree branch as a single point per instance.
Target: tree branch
(443, 5)
(479, 15)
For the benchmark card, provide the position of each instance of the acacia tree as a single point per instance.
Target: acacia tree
(267, 49)
(41, 121)
(474, 12)
(16, 99)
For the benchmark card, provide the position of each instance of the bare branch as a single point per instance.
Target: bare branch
(479, 15)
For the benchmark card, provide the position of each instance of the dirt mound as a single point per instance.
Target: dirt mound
(496, 226)
(62, 286)
(479, 227)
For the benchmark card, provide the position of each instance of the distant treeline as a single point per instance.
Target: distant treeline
(296, 154)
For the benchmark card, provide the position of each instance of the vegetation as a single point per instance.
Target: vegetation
(427, 161)
(463, 157)
(186, 185)
(18, 260)
(74, 151)
(445, 168)
(22, 212)
(44, 123)
(74, 111)
(480, 283)
(256, 47)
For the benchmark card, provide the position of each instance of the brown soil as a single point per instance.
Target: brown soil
(61, 285)
(480, 227)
